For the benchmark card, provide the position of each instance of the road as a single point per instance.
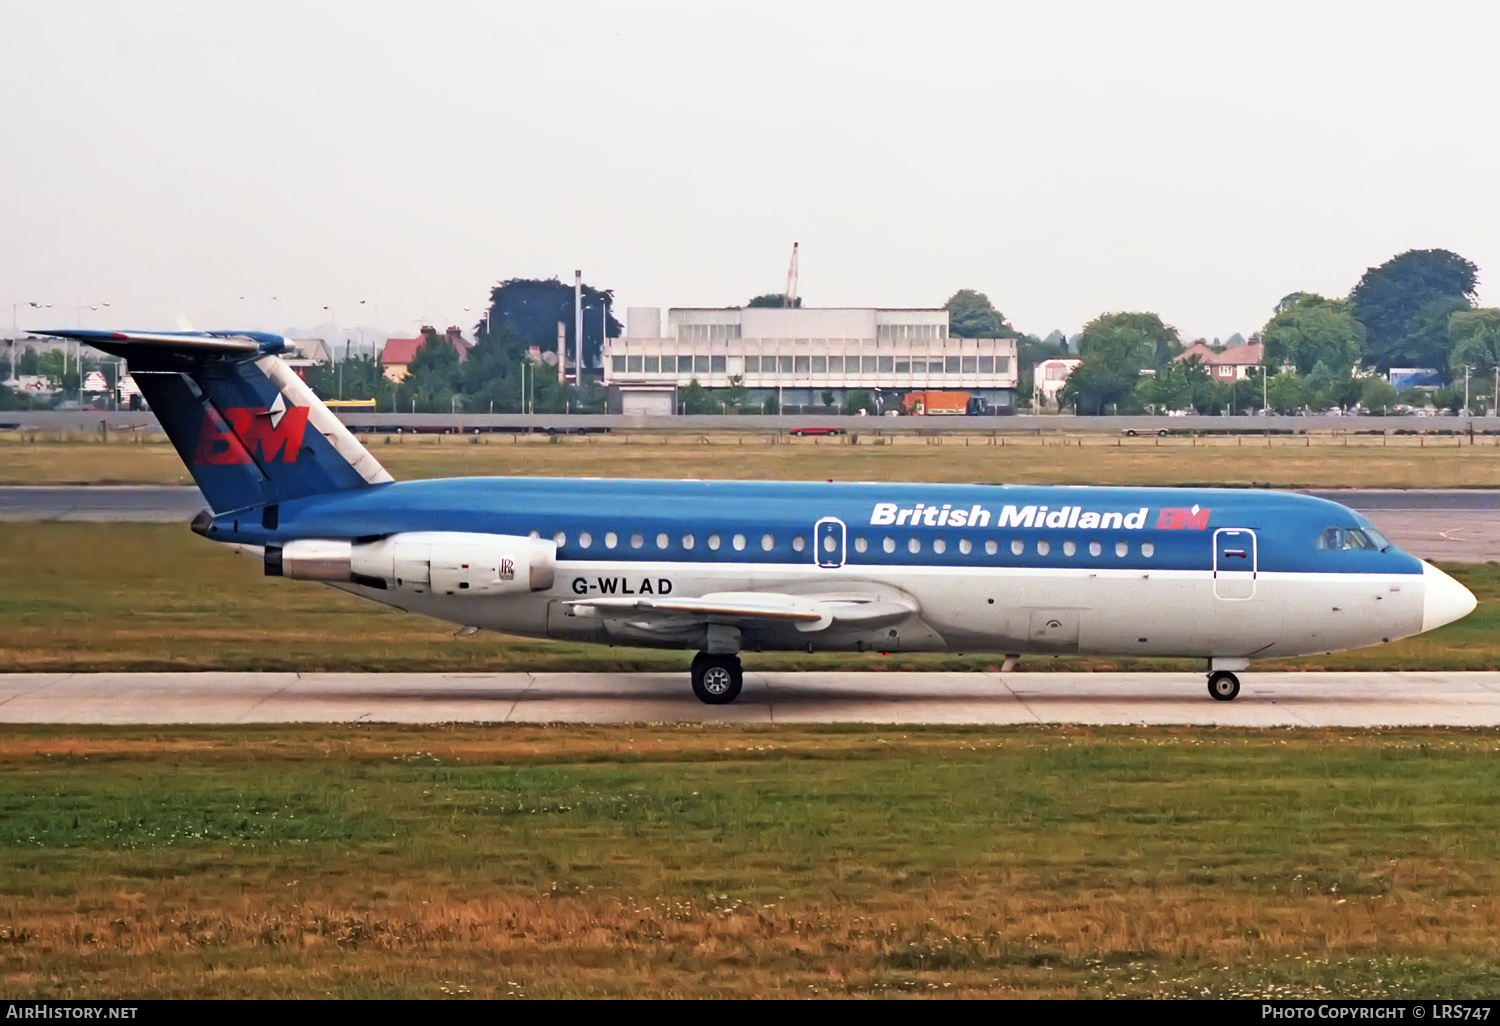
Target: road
(1451, 526)
(1268, 700)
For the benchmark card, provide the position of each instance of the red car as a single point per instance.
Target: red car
(808, 432)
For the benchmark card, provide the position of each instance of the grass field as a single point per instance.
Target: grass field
(540, 862)
(80, 597)
(1330, 461)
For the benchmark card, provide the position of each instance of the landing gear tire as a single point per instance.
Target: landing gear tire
(717, 679)
(1223, 686)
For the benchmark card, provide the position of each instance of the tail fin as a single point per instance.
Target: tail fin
(250, 431)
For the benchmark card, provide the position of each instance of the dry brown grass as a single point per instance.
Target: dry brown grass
(1323, 460)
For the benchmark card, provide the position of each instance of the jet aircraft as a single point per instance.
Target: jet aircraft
(723, 567)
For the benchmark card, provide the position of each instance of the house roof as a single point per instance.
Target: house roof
(398, 352)
(1247, 355)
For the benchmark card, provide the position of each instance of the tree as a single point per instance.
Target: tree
(1313, 330)
(771, 300)
(1388, 298)
(530, 309)
(695, 400)
(858, 400)
(972, 315)
(1178, 386)
(1376, 395)
(736, 395)
(1476, 340)
(1427, 342)
(1139, 338)
(1099, 385)
(1285, 393)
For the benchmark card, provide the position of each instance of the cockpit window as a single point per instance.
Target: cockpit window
(1345, 538)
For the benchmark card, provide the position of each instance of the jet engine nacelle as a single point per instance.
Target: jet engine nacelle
(442, 562)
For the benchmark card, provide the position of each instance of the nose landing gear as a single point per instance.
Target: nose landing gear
(1223, 685)
(717, 679)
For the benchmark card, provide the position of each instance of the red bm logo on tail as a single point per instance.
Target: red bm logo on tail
(246, 434)
(1178, 519)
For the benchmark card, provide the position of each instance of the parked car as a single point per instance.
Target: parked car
(809, 432)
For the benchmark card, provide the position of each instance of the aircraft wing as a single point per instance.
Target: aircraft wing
(744, 608)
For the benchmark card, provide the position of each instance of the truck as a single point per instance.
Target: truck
(943, 404)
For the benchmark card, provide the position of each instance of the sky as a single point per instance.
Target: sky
(270, 165)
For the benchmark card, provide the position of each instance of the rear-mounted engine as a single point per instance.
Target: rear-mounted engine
(442, 562)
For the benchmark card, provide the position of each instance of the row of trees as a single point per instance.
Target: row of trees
(1415, 310)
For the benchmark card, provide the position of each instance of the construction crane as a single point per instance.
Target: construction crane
(789, 297)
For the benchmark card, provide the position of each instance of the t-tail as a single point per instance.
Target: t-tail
(250, 431)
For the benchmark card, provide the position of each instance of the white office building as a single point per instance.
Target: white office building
(804, 356)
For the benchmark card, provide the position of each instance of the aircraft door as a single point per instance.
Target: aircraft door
(829, 539)
(1234, 563)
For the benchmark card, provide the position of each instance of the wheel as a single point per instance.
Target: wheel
(1130, 432)
(717, 679)
(1223, 685)
(1161, 433)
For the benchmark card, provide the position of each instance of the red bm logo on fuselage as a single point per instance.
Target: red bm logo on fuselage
(246, 434)
(1178, 519)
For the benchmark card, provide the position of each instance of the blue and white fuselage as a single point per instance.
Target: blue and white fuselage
(722, 567)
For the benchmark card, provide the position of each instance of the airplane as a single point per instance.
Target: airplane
(724, 567)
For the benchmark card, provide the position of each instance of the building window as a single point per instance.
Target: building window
(752, 365)
(835, 365)
(970, 365)
(933, 366)
(986, 365)
(635, 365)
(950, 365)
(653, 364)
(611, 539)
(617, 364)
(820, 365)
(866, 364)
(902, 366)
(1002, 365)
(718, 364)
(887, 364)
(767, 543)
(786, 364)
(739, 543)
(802, 364)
(684, 365)
(700, 365)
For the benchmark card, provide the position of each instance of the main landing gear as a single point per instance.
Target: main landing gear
(717, 679)
(1223, 685)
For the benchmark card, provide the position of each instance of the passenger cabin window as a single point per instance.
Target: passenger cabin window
(798, 543)
(585, 539)
(767, 543)
(611, 539)
(860, 544)
(713, 542)
(739, 543)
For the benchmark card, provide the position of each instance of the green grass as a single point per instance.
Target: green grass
(90, 597)
(697, 861)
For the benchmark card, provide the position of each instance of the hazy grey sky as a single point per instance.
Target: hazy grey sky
(1197, 159)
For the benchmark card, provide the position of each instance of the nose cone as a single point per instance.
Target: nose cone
(1444, 599)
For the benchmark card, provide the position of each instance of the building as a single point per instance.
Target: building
(1233, 363)
(810, 359)
(398, 353)
(1048, 379)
